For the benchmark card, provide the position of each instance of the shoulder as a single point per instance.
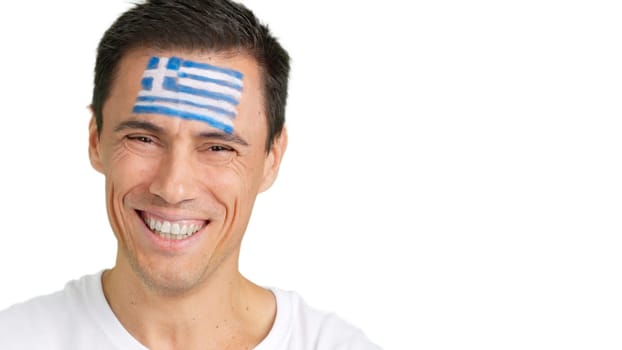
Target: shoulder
(45, 320)
(300, 326)
(42, 313)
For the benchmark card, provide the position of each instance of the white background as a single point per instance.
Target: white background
(453, 179)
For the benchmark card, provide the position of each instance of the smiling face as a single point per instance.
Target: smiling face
(180, 192)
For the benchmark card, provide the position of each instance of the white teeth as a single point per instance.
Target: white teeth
(166, 227)
(152, 223)
(169, 230)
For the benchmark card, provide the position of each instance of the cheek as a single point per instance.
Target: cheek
(231, 183)
(127, 170)
(221, 181)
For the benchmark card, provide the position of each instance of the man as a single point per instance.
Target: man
(187, 128)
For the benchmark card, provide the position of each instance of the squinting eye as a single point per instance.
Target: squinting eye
(143, 139)
(217, 154)
(143, 144)
(219, 148)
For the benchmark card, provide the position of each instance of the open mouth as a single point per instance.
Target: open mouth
(173, 230)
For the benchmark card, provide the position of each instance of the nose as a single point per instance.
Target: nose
(174, 181)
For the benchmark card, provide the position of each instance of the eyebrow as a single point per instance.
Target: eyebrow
(138, 124)
(224, 137)
(148, 126)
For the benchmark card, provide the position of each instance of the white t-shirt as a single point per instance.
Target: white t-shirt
(78, 317)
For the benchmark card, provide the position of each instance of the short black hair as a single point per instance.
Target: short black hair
(195, 25)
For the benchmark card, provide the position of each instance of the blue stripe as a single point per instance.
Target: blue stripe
(170, 84)
(210, 80)
(182, 114)
(230, 72)
(174, 63)
(184, 102)
(153, 62)
(147, 83)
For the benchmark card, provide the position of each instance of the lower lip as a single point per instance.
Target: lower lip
(171, 245)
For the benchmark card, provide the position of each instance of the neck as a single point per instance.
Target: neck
(224, 309)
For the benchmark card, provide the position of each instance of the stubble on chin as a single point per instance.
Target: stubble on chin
(173, 280)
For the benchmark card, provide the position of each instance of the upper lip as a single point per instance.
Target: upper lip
(168, 215)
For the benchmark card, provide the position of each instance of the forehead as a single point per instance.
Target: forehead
(136, 69)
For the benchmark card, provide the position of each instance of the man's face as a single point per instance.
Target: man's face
(167, 177)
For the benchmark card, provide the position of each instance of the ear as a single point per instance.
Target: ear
(273, 160)
(94, 145)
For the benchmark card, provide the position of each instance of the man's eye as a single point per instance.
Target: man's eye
(143, 139)
(219, 148)
(143, 144)
(216, 154)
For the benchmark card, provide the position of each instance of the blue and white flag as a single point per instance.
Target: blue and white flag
(190, 90)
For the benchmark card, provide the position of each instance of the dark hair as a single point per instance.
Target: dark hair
(195, 25)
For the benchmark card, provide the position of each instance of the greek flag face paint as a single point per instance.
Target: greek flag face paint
(191, 90)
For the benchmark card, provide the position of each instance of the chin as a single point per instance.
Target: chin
(169, 280)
